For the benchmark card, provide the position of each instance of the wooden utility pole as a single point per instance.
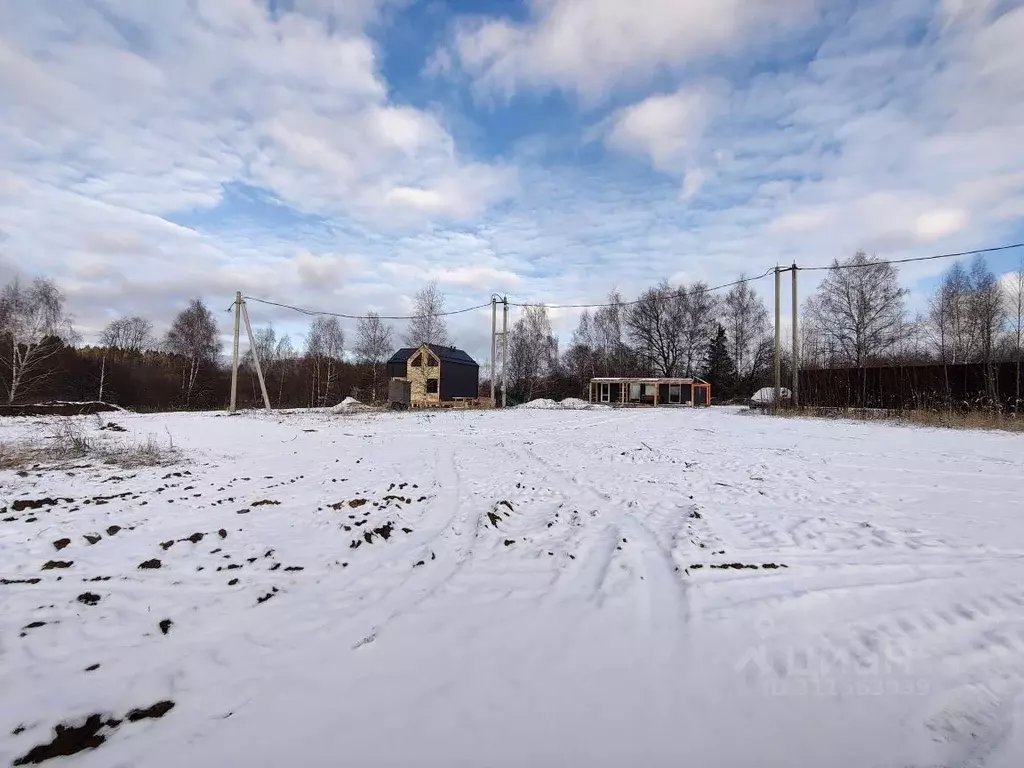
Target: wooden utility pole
(796, 342)
(234, 358)
(778, 339)
(494, 344)
(256, 358)
(504, 352)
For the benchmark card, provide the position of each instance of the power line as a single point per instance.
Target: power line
(316, 312)
(672, 294)
(914, 258)
(669, 295)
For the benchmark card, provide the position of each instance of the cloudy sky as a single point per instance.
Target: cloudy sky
(339, 153)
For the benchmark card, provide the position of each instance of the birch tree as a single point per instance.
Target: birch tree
(859, 308)
(193, 337)
(427, 325)
(533, 352)
(325, 347)
(745, 319)
(33, 328)
(373, 346)
(132, 334)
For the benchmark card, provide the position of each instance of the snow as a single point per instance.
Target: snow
(767, 395)
(348, 405)
(536, 600)
(569, 403)
(540, 404)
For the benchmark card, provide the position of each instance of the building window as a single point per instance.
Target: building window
(605, 392)
(634, 392)
(675, 393)
(431, 362)
(431, 386)
(417, 362)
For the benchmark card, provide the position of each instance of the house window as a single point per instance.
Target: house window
(605, 392)
(431, 362)
(634, 393)
(675, 393)
(417, 362)
(431, 386)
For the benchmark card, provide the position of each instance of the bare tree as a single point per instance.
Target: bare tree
(987, 312)
(656, 323)
(745, 319)
(373, 346)
(1016, 323)
(193, 336)
(954, 329)
(699, 324)
(33, 328)
(428, 325)
(859, 309)
(128, 334)
(533, 352)
(325, 346)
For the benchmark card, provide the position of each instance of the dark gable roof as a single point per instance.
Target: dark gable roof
(444, 354)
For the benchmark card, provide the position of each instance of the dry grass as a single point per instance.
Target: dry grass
(946, 419)
(66, 440)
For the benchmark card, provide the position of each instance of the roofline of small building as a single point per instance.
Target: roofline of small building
(646, 380)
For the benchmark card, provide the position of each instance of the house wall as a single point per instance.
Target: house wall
(397, 370)
(459, 380)
(418, 376)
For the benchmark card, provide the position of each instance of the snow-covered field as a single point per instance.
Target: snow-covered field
(520, 588)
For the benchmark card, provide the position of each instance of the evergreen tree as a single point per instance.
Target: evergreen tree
(719, 368)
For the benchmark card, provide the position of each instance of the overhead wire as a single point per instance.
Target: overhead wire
(671, 294)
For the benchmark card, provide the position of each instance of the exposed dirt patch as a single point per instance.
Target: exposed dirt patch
(59, 544)
(222, 533)
(92, 538)
(92, 667)
(195, 538)
(295, 568)
(149, 564)
(22, 504)
(112, 530)
(267, 596)
(353, 503)
(264, 502)
(68, 739)
(165, 545)
(494, 518)
(232, 582)
(88, 598)
(153, 712)
(20, 581)
(165, 626)
(49, 565)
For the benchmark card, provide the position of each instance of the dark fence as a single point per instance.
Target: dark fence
(908, 387)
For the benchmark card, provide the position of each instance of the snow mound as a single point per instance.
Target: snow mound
(348, 405)
(575, 404)
(767, 395)
(541, 404)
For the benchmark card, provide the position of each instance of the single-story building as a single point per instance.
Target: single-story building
(435, 373)
(650, 391)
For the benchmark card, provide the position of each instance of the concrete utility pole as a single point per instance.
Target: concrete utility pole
(504, 352)
(256, 358)
(778, 339)
(234, 359)
(796, 342)
(494, 343)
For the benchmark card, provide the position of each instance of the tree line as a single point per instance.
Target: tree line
(42, 358)
(857, 318)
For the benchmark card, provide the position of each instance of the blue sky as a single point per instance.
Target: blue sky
(340, 153)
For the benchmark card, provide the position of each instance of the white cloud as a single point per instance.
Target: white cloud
(591, 46)
(664, 127)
